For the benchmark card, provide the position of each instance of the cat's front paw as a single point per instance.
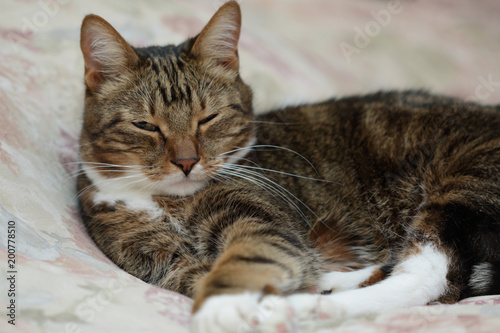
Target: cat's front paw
(242, 313)
(313, 307)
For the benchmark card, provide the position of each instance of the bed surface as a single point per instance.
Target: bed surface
(291, 51)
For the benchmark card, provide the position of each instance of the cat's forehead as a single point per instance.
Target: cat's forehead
(160, 51)
(165, 79)
(169, 85)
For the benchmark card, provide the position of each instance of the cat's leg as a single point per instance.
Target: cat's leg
(333, 282)
(242, 290)
(260, 255)
(456, 230)
(419, 278)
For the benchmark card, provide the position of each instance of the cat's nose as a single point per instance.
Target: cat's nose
(186, 164)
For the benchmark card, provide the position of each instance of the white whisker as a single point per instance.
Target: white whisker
(268, 185)
(97, 164)
(282, 173)
(271, 122)
(252, 147)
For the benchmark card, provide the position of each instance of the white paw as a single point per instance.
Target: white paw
(242, 313)
(312, 307)
(341, 281)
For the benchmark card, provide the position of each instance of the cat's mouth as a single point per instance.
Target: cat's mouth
(179, 184)
(147, 184)
(187, 182)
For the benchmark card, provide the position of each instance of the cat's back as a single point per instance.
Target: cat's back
(364, 143)
(384, 121)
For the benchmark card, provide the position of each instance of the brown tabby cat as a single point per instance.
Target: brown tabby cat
(388, 200)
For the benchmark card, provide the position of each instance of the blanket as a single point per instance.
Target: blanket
(55, 279)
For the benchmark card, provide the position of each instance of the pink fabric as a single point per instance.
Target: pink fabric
(290, 52)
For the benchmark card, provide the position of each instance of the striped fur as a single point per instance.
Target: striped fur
(184, 188)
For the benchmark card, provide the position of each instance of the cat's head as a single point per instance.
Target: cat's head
(163, 120)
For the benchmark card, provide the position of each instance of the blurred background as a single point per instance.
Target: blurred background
(292, 51)
(296, 51)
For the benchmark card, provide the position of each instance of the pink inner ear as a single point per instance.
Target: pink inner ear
(91, 29)
(218, 41)
(230, 62)
(90, 60)
(93, 79)
(89, 34)
(105, 52)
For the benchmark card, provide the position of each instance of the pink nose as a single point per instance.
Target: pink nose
(186, 165)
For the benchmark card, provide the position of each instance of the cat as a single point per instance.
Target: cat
(377, 201)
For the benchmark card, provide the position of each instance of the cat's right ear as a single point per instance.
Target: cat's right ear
(218, 41)
(107, 55)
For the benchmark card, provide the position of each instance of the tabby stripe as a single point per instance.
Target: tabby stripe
(217, 231)
(163, 92)
(245, 130)
(111, 124)
(126, 134)
(257, 260)
(182, 287)
(182, 95)
(220, 285)
(237, 107)
(100, 208)
(215, 234)
(188, 93)
(124, 137)
(213, 240)
(174, 97)
(190, 248)
(180, 65)
(124, 140)
(266, 261)
(174, 258)
(188, 278)
(155, 67)
(117, 151)
(152, 110)
(232, 135)
(144, 267)
(290, 239)
(245, 210)
(387, 269)
(173, 72)
(282, 248)
(242, 208)
(129, 149)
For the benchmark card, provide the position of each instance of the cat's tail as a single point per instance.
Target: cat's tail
(484, 279)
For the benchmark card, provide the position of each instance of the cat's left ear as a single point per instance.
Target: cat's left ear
(218, 41)
(107, 55)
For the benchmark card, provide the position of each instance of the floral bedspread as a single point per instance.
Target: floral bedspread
(54, 279)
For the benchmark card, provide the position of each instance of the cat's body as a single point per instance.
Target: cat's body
(396, 192)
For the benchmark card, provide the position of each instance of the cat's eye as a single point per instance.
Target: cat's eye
(146, 126)
(207, 119)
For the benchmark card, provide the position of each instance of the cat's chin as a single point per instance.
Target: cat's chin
(182, 188)
(141, 189)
